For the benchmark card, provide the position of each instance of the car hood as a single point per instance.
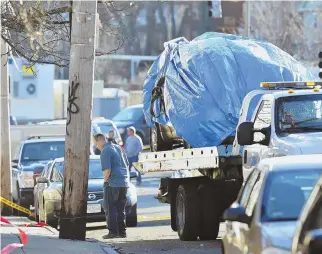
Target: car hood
(95, 185)
(308, 143)
(124, 124)
(279, 234)
(30, 163)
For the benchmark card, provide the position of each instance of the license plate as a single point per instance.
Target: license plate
(94, 208)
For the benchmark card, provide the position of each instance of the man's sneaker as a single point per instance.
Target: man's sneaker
(110, 236)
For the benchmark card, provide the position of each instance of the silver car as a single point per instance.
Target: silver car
(264, 217)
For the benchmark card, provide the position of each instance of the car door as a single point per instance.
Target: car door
(43, 187)
(232, 228)
(252, 154)
(40, 187)
(238, 232)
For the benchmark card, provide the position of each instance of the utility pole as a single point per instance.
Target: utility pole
(78, 125)
(247, 18)
(5, 149)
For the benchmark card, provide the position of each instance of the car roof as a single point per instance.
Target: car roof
(291, 163)
(136, 106)
(91, 157)
(41, 140)
(102, 120)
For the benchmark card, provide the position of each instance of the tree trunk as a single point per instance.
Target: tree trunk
(5, 159)
(78, 126)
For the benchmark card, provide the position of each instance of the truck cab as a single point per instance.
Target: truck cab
(287, 121)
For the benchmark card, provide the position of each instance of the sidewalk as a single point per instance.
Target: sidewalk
(45, 240)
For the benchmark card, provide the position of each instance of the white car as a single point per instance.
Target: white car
(264, 217)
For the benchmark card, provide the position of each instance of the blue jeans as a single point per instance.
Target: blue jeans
(135, 159)
(114, 207)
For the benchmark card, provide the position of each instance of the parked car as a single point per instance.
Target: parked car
(132, 116)
(32, 152)
(263, 219)
(48, 193)
(13, 120)
(99, 125)
(308, 236)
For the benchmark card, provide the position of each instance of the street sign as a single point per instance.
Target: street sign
(27, 69)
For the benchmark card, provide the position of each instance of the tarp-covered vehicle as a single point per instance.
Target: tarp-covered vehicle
(194, 91)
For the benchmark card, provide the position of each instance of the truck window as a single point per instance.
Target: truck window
(262, 119)
(299, 113)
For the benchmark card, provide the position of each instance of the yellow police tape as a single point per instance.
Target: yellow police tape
(15, 206)
(146, 147)
(27, 211)
(141, 217)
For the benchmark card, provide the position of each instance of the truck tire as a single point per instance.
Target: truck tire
(187, 213)
(156, 141)
(173, 214)
(209, 214)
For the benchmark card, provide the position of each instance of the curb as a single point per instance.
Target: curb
(108, 249)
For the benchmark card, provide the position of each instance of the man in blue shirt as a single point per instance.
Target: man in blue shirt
(116, 182)
(133, 147)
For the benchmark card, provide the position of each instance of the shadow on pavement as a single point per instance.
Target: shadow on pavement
(167, 245)
(142, 223)
(149, 223)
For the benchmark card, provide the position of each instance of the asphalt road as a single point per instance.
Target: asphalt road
(153, 233)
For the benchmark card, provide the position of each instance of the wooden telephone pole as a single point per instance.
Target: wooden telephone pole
(5, 159)
(78, 126)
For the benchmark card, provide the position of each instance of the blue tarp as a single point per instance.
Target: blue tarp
(206, 80)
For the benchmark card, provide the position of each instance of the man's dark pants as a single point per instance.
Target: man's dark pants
(114, 206)
(131, 160)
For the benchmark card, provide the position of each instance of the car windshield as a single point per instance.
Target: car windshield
(42, 151)
(106, 128)
(300, 113)
(94, 171)
(129, 114)
(286, 192)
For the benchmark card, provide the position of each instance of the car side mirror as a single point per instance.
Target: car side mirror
(245, 133)
(42, 180)
(15, 161)
(133, 175)
(236, 213)
(312, 243)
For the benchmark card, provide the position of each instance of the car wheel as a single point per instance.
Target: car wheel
(51, 222)
(132, 218)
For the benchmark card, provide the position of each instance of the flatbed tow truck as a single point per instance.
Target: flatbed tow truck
(206, 181)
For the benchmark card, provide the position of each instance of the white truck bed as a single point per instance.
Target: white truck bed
(180, 159)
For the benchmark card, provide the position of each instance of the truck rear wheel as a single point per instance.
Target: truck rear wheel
(187, 213)
(210, 209)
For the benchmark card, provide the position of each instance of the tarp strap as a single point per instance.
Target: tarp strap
(157, 93)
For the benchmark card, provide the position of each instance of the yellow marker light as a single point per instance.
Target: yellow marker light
(267, 85)
(310, 83)
(291, 91)
(316, 89)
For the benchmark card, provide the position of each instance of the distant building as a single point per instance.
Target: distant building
(31, 91)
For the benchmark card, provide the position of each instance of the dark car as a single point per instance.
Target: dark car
(49, 194)
(308, 237)
(132, 116)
